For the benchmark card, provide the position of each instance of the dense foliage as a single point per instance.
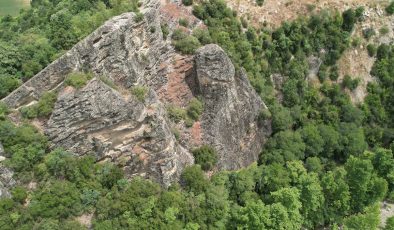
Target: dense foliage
(42, 33)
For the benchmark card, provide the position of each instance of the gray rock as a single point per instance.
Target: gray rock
(6, 181)
(231, 109)
(118, 128)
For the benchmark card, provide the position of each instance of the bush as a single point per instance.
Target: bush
(3, 110)
(8, 84)
(390, 8)
(165, 30)
(78, 80)
(184, 22)
(368, 33)
(175, 113)
(195, 109)
(260, 2)
(350, 83)
(205, 156)
(108, 82)
(202, 35)
(384, 30)
(19, 194)
(371, 50)
(194, 180)
(323, 73)
(178, 34)
(349, 19)
(42, 109)
(187, 45)
(138, 17)
(187, 2)
(334, 73)
(139, 92)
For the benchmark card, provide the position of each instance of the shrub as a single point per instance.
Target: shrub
(368, 33)
(260, 2)
(390, 8)
(108, 82)
(165, 30)
(334, 73)
(78, 80)
(371, 50)
(205, 156)
(356, 41)
(19, 194)
(323, 73)
(194, 180)
(187, 2)
(195, 109)
(175, 113)
(178, 34)
(3, 110)
(184, 22)
(264, 115)
(139, 92)
(384, 30)
(138, 17)
(350, 83)
(349, 18)
(187, 45)
(42, 109)
(8, 84)
(202, 35)
(359, 12)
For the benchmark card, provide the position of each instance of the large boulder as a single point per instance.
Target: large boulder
(231, 109)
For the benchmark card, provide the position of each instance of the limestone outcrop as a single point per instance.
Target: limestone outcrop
(109, 122)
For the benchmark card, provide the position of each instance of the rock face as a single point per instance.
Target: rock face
(119, 128)
(231, 110)
(113, 125)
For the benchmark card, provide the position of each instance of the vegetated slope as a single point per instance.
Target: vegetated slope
(328, 163)
(133, 124)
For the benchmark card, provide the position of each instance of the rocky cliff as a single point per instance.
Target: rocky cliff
(114, 125)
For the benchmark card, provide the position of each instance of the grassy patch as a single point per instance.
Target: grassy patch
(78, 80)
(108, 82)
(139, 92)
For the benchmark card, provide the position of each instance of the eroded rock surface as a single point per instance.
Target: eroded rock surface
(119, 128)
(231, 109)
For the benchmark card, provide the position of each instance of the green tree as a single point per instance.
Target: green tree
(337, 195)
(205, 156)
(364, 186)
(194, 180)
(314, 142)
